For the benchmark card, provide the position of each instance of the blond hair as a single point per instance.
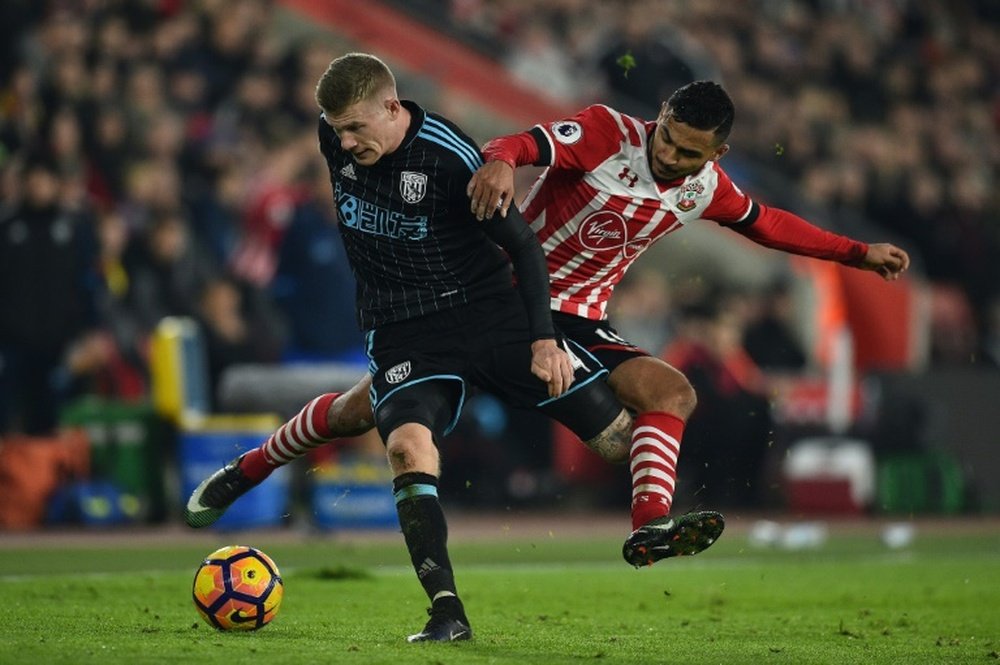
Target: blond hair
(351, 78)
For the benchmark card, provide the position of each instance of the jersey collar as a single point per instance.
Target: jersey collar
(417, 116)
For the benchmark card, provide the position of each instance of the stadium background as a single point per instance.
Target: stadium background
(181, 137)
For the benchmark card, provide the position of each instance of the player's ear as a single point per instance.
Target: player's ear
(392, 105)
(664, 112)
(720, 151)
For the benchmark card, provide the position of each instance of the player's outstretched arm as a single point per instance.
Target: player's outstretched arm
(786, 231)
(491, 188)
(887, 260)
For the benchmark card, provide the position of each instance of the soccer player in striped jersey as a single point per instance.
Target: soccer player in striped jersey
(437, 300)
(613, 185)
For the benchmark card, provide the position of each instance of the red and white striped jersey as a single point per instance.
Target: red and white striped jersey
(597, 207)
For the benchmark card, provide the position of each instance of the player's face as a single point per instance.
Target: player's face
(368, 129)
(678, 149)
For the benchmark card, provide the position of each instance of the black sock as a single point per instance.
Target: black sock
(425, 531)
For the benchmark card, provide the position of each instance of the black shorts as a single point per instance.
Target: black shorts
(599, 338)
(482, 345)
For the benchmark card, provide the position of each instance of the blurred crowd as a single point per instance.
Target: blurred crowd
(158, 158)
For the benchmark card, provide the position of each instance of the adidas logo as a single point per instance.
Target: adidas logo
(348, 171)
(428, 566)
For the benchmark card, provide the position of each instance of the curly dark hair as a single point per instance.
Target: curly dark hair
(704, 105)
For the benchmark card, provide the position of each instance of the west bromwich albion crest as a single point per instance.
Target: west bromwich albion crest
(397, 373)
(412, 186)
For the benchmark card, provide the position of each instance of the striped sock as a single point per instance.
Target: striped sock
(656, 442)
(298, 436)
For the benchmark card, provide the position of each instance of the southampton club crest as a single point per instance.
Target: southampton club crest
(397, 373)
(689, 193)
(412, 186)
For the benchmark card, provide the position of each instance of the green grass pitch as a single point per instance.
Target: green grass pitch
(531, 600)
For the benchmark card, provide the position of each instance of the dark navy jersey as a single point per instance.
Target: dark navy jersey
(413, 243)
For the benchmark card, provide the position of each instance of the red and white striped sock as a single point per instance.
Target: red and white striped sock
(298, 436)
(656, 443)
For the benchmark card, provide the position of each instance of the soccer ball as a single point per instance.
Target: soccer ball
(237, 588)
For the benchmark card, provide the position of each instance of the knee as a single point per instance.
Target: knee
(410, 451)
(649, 384)
(402, 457)
(682, 397)
(670, 392)
(673, 394)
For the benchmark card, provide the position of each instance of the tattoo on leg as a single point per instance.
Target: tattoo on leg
(614, 442)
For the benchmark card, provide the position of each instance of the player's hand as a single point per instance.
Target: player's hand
(887, 260)
(491, 189)
(552, 365)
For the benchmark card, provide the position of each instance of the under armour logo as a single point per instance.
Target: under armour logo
(627, 174)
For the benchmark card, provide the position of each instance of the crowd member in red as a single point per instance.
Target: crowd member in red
(615, 184)
(727, 435)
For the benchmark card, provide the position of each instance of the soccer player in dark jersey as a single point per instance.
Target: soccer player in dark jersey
(440, 310)
(614, 185)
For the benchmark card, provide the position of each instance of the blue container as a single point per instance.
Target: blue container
(354, 494)
(97, 503)
(206, 447)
